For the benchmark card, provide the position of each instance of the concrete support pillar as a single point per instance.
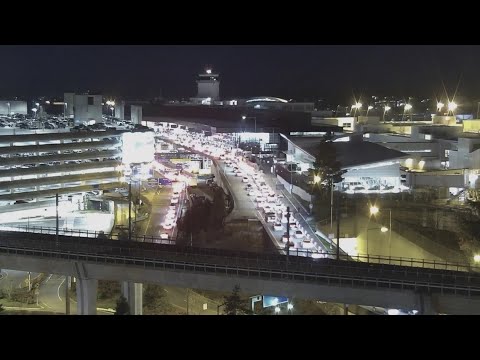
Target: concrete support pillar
(427, 306)
(87, 296)
(133, 292)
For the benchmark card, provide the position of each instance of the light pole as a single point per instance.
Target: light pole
(290, 308)
(452, 106)
(374, 210)
(9, 108)
(64, 111)
(288, 232)
(383, 229)
(370, 107)
(387, 108)
(408, 107)
(244, 117)
(277, 310)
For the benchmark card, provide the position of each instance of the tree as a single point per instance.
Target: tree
(234, 304)
(326, 165)
(154, 299)
(123, 308)
(217, 210)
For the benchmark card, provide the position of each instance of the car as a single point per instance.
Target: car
(245, 179)
(164, 236)
(260, 199)
(172, 206)
(278, 226)
(307, 243)
(299, 234)
(176, 194)
(170, 215)
(270, 217)
(167, 225)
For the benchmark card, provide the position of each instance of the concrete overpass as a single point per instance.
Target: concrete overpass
(389, 286)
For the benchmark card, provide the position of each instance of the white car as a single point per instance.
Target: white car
(278, 226)
(261, 204)
(176, 194)
(271, 198)
(245, 179)
(174, 200)
(172, 206)
(299, 234)
(307, 243)
(168, 225)
(267, 208)
(164, 236)
(171, 215)
(271, 217)
(260, 199)
(252, 193)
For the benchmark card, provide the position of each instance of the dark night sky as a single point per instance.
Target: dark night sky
(289, 71)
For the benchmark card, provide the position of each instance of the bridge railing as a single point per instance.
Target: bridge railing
(336, 273)
(86, 233)
(314, 253)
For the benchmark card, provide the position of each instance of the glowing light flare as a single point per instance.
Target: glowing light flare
(452, 106)
(387, 108)
(408, 107)
(440, 106)
(374, 210)
(383, 229)
(476, 258)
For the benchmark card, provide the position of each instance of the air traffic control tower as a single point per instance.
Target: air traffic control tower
(208, 85)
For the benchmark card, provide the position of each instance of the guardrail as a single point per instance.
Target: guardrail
(306, 253)
(224, 263)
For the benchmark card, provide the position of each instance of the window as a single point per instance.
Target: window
(90, 100)
(447, 153)
(347, 125)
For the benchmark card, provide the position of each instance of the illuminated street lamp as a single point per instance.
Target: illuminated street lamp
(244, 117)
(476, 258)
(35, 112)
(452, 106)
(374, 210)
(440, 106)
(370, 107)
(385, 109)
(113, 111)
(289, 307)
(277, 310)
(408, 107)
(316, 179)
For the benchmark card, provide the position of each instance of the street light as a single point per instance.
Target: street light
(440, 106)
(476, 258)
(244, 117)
(374, 210)
(452, 106)
(113, 109)
(383, 229)
(9, 108)
(387, 108)
(316, 179)
(289, 307)
(370, 107)
(277, 310)
(35, 112)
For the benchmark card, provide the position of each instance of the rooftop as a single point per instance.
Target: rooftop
(351, 153)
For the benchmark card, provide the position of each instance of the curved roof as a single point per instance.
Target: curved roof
(266, 98)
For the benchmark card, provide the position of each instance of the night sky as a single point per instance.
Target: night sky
(289, 71)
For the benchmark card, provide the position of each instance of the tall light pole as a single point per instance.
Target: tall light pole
(374, 210)
(408, 107)
(387, 108)
(452, 106)
(9, 108)
(130, 210)
(370, 107)
(383, 229)
(288, 232)
(244, 117)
